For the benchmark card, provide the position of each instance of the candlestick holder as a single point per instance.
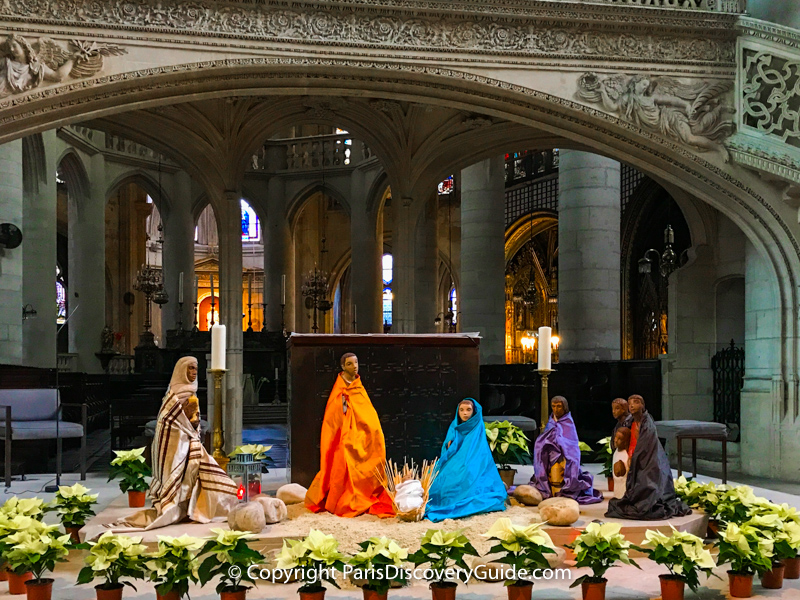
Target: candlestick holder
(276, 398)
(545, 374)
(249, 317)
(180, 316)
(263, 316)
(195, 329)
(283, 322)
(218, 439)
(210, 325)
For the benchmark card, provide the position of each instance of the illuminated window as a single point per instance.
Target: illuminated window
(196, 233)
(251, 232)
(387, 264)
(454, 304)
(446, 186)
(61, 298)
(387, 269)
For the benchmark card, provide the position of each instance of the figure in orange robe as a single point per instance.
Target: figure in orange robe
(351, 449)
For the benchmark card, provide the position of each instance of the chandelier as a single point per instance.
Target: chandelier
(315, 292)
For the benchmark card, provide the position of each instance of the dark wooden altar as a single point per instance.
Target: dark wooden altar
(414, 382)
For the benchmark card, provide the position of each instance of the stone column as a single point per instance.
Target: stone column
(230, 297)
(589, 257)
(86, 293)
(277, 255)
(426, 269)
(11, 263)
(178, 256)
(39, 220)
(403, 229)
(366, 252)
(482, 298)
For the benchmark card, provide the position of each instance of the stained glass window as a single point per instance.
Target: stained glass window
(61, 298)
(446, 186)
(388, 276)
(454, 304)
(251, 230)
(387, 269)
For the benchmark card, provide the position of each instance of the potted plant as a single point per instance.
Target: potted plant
(36, 551)
(12, 531)
(173, 565)
(114, 559)
(75, 506)
(132, 469)
(785, 530)
(33, 508)
(523, 548)
(509, 446)
(731, 504)
(315, 557)
(227, 550)
(599, 547)
(749, 550)
(378, 565)
(443, 550)
(684, 556)
(605, 456)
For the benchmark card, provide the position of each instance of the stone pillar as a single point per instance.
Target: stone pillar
(277, 256)
(86, 293)
(230, 297)
(39, 220)
(426, 269)
(366, 243)
(178, 256)
(482, 298)
(589, 257)
(403, 229)
(11, 261)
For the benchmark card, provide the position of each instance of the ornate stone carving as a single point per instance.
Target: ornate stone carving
(323, 108)
(694, 113)
(477, 122)
(26, 66)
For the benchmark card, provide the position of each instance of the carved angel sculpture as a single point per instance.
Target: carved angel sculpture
(24, 67)
(693, 113)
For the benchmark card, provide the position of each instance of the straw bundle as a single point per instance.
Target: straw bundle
(393, 475)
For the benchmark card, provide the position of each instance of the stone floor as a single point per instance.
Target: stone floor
(625, 583)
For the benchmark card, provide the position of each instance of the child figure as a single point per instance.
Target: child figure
(622, 440)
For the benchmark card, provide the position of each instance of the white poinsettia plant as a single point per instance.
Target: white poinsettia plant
(131, 467)
(785, 533)
(315, 557)
(115, 559)
(74, 504)
(174, 564)
(379, 564)
(521, 546)
(228, 549)
(747, 547)
(36, 549)
(508, 443)
(25, 507)
(605, 455)
(10, 526)
(600, 547)
(443, 550)
(682, 553)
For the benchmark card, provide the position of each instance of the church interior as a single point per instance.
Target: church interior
(400, 299)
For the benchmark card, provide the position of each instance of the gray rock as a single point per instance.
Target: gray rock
(274, 509)
(559, 511)
(292, 493)
(248, 517)
(527, 495)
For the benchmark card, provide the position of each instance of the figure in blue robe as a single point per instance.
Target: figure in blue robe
(557, 459)
(468, 482)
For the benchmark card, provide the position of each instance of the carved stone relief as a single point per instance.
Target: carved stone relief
(695, 113)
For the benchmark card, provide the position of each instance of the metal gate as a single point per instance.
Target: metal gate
(728, 368)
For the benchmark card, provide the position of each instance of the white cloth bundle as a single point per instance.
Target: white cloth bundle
(408, 495)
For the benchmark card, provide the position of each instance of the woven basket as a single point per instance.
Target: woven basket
(392, 476)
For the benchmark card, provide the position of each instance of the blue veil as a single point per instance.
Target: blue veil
(468, 482)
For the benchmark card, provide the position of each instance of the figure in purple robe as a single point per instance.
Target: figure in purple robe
(557, 459)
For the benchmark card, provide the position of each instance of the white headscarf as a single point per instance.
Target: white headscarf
(180, 384)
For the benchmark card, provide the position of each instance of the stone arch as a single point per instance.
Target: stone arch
(296, 205)
(146, 181)
(75, 175)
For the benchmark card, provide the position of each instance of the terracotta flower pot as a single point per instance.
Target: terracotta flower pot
(74, 533)
(672, 587)
(792, 568)
(741, 584)
(3, 572)
(773, 579)
(445, 590)
(507, 475)
(318, 595)
(236, 594)
(520, 591)
(610, 481)
(713, 530)
(594, 590)
(373, 595)
(173, 595)
(39, 590)
(135, 499)
(16, 583)
(109, 593)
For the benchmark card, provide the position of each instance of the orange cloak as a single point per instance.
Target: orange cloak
(351, 448)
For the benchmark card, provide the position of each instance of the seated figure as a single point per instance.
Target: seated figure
(557, 459)
(649, 491)
(619, 464)
(622, 415)
(468, 482)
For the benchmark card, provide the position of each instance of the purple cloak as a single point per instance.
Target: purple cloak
(560, 440)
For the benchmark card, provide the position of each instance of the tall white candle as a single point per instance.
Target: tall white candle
(545, 349)
(283, 289)
(276, 373)
(180, 288)
(218, 347)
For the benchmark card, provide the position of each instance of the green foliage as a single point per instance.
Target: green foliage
(74, 505)
(226, 550)
(131, 468)
(442, 550)
(114, 559)
(174, 564)
(36, 550)
(746, 547)
(380, 560)
(682, 553)
(600, 547)
(523, 548)
(605, 456)
(508, 443)
(314, 557)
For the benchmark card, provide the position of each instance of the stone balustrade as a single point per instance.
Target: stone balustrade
(336, 151)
